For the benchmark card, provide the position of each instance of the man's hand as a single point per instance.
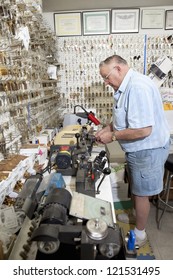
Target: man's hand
(105, 137)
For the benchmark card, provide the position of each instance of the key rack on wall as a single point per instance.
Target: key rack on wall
(79, 58)
(29, 100)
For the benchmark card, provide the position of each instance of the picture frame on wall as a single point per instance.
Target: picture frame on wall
(68, 24)
(168, 19)
(125, 21)
(152, 19)
(96, 22)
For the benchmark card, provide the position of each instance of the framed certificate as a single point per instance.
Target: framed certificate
(97, 22)
(169, 19)
(67, 24)
(125, 21)
(152, 18)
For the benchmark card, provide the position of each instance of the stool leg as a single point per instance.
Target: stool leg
(167, 191)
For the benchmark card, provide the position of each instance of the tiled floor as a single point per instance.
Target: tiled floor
(161, 240)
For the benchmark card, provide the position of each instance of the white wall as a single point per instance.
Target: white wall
(66, 5)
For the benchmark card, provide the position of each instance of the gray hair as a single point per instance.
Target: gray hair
(114, 58)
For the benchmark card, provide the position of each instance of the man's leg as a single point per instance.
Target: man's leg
(142, 207)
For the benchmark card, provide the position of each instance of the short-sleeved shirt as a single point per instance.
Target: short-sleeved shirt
(138, 104)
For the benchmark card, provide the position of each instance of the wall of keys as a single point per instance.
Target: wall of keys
(79, 59)
(29, 99)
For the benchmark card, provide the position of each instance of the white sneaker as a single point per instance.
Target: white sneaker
(127, 218)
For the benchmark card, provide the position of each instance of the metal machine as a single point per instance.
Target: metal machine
(60, 224)
(70, 155)
(70, 145)
(67, 225)
(76, 227)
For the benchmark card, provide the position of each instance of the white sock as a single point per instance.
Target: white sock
(141, 234)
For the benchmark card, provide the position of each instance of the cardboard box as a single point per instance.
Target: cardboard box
(40, 152)
(114, 152)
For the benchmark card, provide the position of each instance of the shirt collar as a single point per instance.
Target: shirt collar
(125, 81)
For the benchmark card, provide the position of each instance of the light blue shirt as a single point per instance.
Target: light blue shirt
(138, 104)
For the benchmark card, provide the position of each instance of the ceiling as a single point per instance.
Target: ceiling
(68, 5)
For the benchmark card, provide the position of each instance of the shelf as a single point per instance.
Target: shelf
(25, 86)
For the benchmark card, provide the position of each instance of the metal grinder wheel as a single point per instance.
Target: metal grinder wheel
(97, 229)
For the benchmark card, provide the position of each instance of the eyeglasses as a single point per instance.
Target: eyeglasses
(107, 76)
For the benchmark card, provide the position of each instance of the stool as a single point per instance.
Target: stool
(163, 197)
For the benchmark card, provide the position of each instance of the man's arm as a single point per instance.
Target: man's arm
(133, 134)
(125, 134)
